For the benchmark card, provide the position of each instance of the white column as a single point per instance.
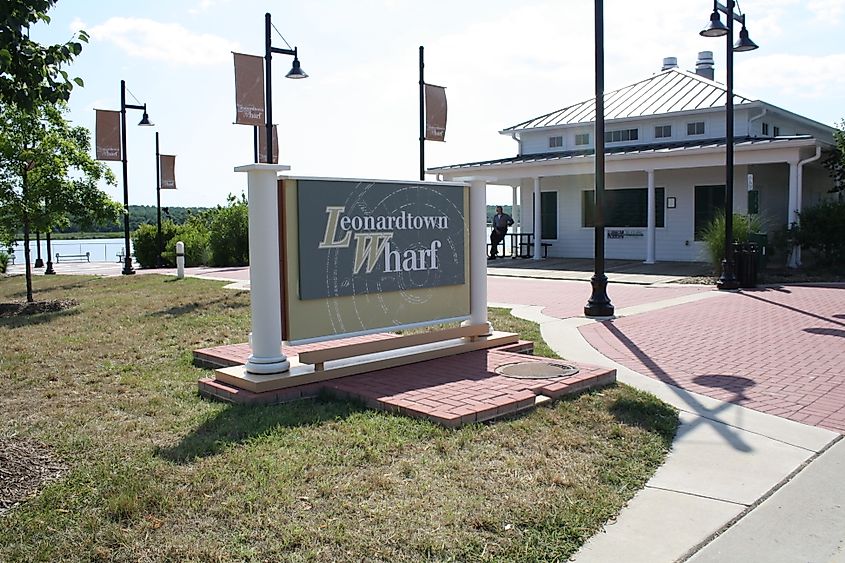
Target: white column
(514, 214)
(478, 253)
(794, 208)
(538, 220)
(264, 275)
(650, 235)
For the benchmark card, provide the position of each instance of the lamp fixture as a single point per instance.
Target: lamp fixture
(715, 28)
(744, 43)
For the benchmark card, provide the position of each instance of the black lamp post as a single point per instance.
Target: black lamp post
(599, 304)
(727, 279)
(295, 72)
(145, 121)
(159, 243)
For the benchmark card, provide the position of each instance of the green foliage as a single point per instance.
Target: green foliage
(47, 172)
(714, 234)
(195, 236)
(4, 262)
(229, 233)
(822, 233)
(835, 161)
(31, 74)
(145, 242)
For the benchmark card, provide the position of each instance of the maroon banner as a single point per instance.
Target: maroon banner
(167, 167)
(249, 89)
(262, 145)
(107, 141)
(435, 113)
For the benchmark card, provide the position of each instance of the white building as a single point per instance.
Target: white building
(665, 139)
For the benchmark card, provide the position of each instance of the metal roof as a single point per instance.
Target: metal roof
(670, 91)
(653, 148)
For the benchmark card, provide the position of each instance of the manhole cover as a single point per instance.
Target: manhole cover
(536, 370)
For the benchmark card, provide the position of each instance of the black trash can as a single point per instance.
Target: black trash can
(745, 264)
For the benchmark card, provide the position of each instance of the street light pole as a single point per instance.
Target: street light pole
(127, 265)
(295, 72)
(727, 279)
(599, 304)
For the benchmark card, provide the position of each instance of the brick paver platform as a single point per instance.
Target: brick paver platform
(779, 351)
(452, 391)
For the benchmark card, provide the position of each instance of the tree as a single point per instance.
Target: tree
(30, 73)
(835, 162)
(47, 172)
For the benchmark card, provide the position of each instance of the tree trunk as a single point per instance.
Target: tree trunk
(26, 239)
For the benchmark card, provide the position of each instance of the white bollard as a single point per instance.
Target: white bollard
(180, 260)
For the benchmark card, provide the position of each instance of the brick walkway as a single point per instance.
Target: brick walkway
(779, 351)
(452, 391)
(563, 298)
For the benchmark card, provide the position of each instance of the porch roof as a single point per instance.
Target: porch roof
(677, 147)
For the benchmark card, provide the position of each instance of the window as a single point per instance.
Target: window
(709, 200)
(582, 139)
(695, 128)
(765, 128)
(662, 131)
(555, 142)
(621, 135)
(625, 208)
(776, 131)
(548, 215)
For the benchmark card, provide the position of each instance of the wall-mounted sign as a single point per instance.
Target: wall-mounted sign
(363, 255)
(619, 233)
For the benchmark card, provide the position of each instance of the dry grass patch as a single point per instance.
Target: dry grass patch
(156, 473)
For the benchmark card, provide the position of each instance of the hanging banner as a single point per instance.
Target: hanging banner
(167, 166)
(435, 113)
(249, 89)
(108, 135)
(262, 145)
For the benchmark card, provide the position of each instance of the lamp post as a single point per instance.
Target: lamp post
(599, 304)
(145, 121)
(295, 73)
(727, 279)
(158, 207)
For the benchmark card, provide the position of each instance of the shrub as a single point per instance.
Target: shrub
(229, 233)
(822, 233)
(145, 242)
(195, 236)
(714, 235)
(4, 262)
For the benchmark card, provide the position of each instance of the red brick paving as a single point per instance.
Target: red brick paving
(779, 351)
(452, 391)
(566, 298)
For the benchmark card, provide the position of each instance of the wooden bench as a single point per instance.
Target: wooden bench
(77, 257)
(320, 357)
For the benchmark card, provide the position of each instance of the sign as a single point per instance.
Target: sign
(435, 113)
(249, 89)
(167, 166)
(108, 135)
(376, 237)
(364, 256)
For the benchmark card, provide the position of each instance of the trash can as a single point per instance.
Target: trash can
(762, 242)
(745, 264)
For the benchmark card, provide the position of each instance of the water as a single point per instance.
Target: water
(101, 250)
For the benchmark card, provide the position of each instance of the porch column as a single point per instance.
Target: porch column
(265, 293)
(516, 219)
(478, 253)
(538, 232)
(650, 237)
(794, 208)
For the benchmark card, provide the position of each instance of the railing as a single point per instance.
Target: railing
(100, 250)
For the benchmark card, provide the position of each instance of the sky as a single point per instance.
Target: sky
(357, 115)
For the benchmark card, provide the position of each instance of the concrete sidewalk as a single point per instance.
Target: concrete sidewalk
(725, 461)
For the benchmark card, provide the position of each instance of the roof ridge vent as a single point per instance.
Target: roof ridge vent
(704, 65)
(672, 62)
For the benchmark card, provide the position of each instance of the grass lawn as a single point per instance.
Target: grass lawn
(156, 473)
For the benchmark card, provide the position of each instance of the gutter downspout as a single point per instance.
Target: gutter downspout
(763, 112)
(795, 259)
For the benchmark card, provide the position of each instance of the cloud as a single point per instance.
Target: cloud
(170, 42)
(801, 76)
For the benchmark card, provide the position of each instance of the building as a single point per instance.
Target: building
(665, 142)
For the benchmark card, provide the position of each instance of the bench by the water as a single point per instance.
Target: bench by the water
(74, 257)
